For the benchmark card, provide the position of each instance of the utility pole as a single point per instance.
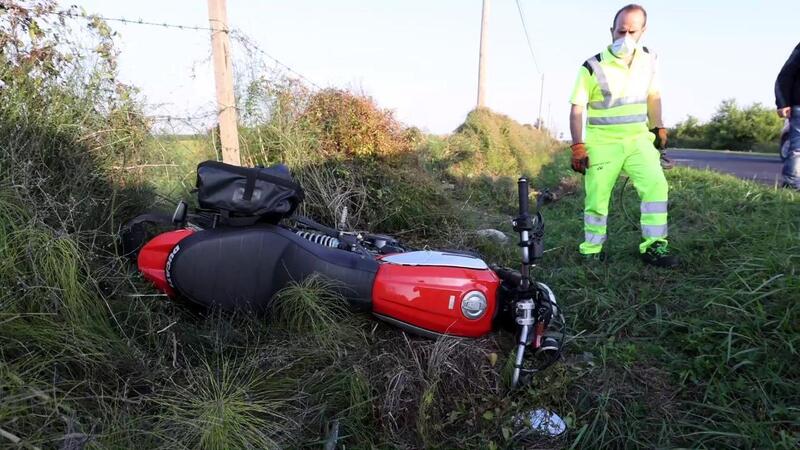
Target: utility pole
(223, 78)
(541, 96)
(482, 56)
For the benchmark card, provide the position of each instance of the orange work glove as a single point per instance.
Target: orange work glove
(580, 159)
(661, 138)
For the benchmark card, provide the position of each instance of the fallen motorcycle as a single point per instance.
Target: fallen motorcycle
(235, 252)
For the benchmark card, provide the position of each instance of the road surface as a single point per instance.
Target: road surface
(758, 167)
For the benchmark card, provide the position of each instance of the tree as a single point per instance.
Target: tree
(732, 128)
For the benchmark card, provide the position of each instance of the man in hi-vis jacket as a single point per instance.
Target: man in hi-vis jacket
(617, 95)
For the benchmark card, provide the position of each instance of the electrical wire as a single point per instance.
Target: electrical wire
(528, 37)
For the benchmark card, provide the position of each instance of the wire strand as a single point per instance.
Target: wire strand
(233, 32)
(527, 37)
(136, 21)
(244, 39)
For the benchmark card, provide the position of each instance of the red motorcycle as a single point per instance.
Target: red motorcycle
(234, 253)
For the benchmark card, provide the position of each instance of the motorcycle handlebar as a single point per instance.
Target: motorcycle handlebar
(522, 185)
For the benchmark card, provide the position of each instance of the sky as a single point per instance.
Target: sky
(419, 58)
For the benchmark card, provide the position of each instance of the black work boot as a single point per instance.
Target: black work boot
(594, 258)
(658, 255)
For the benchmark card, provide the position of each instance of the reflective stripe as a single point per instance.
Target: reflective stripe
(619, 120)
(654, 207)
(602, 81)
(608, 104)
(593, 238)
(654, 231)
(595, 220)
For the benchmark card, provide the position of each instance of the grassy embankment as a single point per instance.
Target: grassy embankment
(703, 356)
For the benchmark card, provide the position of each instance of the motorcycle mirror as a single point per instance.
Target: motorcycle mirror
(179, 217)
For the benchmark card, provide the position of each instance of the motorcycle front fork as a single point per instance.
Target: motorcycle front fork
(528, 325)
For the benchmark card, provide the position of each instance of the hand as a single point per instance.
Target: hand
(661, 137)
(580, 159)
(785, 112)
(666, 162)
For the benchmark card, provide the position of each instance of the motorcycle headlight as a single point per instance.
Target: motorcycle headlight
(473, 305)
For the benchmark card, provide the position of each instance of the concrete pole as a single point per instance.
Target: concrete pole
(541, 97)
(223, 78)
(482, 56)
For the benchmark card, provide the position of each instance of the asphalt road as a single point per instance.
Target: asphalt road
(762, 168)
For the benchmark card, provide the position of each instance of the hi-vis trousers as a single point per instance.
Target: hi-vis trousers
(641, 161)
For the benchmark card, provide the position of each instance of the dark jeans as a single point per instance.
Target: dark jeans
(791, 152)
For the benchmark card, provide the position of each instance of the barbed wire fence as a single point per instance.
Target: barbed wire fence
(184, 127)
(253, 66)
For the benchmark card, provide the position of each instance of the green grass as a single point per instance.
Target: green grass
(169, 164)
(92, 357)
(226, 402)
(700, 356)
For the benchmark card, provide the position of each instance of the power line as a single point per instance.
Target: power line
(527, 37)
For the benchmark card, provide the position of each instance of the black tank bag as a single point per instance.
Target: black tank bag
(242, 196)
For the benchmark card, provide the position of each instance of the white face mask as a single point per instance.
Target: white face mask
(624, 46)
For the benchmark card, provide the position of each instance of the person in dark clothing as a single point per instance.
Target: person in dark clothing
(787, 99)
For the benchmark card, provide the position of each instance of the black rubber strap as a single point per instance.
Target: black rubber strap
(249, 187)
(227, 219)
(246, 172)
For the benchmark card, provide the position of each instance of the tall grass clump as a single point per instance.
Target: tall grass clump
(311, 309)
(66, 125)
(486, 154)
(230, 403)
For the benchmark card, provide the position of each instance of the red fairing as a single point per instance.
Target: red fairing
(154, 255)
(430, 297)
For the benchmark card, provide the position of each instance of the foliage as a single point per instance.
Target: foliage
(68, 126)
(486, 154)
(353, 158)
(491, 144)
(92, 357)
(752, 128)
(352, 125)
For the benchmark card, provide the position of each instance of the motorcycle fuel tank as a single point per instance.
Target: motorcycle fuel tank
(432, 293)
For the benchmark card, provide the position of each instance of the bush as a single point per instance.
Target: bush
(351, 125)
(67, 125)
(494, 145)
(347, 153)
(732, 128)
(486, 154)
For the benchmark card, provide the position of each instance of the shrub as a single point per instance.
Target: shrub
(753, 128)
(347, 153)
(352, 125)
(491, 144)
(486, 154)
(67, 125)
